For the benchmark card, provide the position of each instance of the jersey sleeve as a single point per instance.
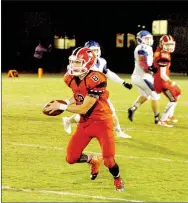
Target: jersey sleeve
(96, 84)
(145, 53)
(105, 69)
(143, 50)
(67, 79)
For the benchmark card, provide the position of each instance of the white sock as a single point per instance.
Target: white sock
(135, 106)
(167, 111)
(117, 128)
(172, 110)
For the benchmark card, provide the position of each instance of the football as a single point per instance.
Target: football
(55, 113)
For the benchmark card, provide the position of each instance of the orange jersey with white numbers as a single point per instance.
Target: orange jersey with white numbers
(94, 84)
(161, 59)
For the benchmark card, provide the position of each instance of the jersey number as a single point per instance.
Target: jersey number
(95, 78)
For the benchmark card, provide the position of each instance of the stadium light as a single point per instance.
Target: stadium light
(159, 27)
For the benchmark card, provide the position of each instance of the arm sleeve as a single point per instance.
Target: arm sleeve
(143, 59)
(163, 62)
(114, 77)
(148, 58)
(163, 73)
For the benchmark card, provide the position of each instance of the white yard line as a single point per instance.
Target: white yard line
(66, 194)
(117, 155)
(148, 131)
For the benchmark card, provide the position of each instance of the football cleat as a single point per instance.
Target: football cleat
(172, 119)
(95, 163)
(119, 185)
(165, 124)
(130, 114)
(66, 125)
(156, 119)
(122, 134)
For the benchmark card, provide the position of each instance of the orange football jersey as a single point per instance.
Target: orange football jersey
(161, 59)
(95, 84)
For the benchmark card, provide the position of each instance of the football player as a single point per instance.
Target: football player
(90, 100)
(142, 76)
(162, 82)
(101, 66)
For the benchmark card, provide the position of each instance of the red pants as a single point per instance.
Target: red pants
(168, 90)
(102, 131)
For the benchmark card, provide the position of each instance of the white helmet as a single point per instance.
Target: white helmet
(94, 46)
(144, 37)
(167, 43)
(84, 58)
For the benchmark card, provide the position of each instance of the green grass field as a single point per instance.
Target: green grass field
(153, 164)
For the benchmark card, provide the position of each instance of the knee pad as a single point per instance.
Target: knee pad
(155, 96)
(109, 162)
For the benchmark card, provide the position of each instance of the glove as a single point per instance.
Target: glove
(127, 85)
(152, 69)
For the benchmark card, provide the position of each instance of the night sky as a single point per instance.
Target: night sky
(97, 20)
(82, 16)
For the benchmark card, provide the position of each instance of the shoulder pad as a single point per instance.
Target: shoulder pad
(95, 78)
(68, 78)
(102, 60)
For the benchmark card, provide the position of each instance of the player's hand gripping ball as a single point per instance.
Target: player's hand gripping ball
(55, 113)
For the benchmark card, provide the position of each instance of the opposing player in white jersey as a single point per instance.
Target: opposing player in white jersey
(101, 66)
(142, 75)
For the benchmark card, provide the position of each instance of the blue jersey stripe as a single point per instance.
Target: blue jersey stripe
(142, 52)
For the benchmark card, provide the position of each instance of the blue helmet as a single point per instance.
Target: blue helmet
(144, 37)
(94, 46)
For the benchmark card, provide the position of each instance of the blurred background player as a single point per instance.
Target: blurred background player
(101, 66)
(90, 101)
(38, 55)
(142, 75)
(162, 81)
